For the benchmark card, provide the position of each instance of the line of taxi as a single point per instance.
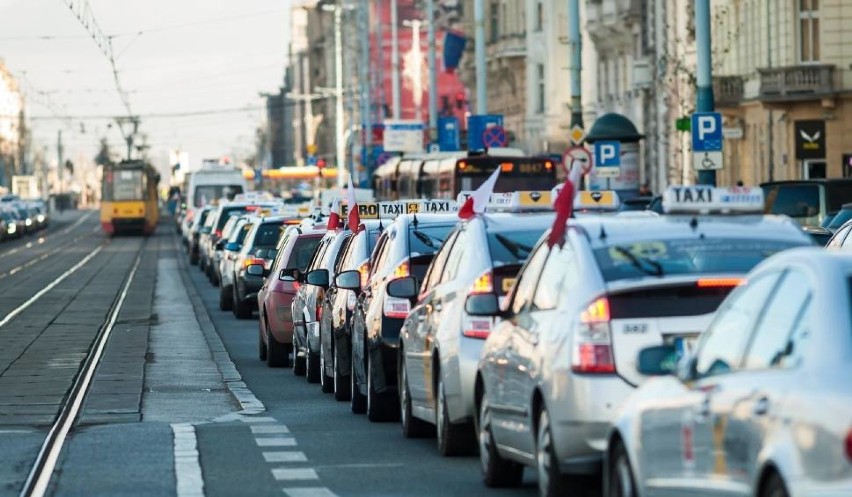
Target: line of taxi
(645, 354)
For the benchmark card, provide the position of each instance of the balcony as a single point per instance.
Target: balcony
(727, 90)
(796, 83)
(507, 46)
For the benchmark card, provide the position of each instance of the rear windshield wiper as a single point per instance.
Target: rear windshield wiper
(513, 247)
(427, 240)
(641, 263)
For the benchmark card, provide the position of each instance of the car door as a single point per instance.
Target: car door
(510, 406)
(362, 307)
(677, 432)
(748, 406)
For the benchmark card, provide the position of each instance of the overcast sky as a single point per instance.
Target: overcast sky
(173, 56)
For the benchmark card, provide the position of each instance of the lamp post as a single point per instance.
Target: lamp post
(339, 124)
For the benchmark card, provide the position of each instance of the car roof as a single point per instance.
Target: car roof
(404, 220)
(502, 221)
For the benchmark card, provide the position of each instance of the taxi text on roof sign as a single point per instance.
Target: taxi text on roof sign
(516, 201)
(706, 200)
(390, 210)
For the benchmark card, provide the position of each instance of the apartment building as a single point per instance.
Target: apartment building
(11, 125)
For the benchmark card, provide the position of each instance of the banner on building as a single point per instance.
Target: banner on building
(403, 135)
(810, 139)
(454, 43)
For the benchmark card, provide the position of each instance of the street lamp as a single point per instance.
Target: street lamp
(340, 142)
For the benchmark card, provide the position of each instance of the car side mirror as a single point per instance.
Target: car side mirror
(233, 247)
(348, 280)
(291, 274)
(659, 360)
(317, 277)
(255, 269)
(403, 288)
(220, 245)
(484, 305)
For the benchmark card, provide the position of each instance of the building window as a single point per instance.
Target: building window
(495, 22)
(539, 16)
(540, 104)
(808, 30)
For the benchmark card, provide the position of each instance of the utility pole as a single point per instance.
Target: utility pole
(433, 70)
(479, 52)
(704, 91)
(340, 140)
(366, 89)
(575, 65)
(771, 137)
(395, 60)
(61, 163)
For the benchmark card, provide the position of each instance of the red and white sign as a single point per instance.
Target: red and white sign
(580, 154)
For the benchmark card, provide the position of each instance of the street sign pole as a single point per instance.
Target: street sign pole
(704, 90)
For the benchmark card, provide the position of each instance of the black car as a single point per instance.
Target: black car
(405, 248)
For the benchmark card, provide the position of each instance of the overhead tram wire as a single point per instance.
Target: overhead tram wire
(206, 112)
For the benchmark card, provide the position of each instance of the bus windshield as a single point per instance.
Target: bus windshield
(123, 185)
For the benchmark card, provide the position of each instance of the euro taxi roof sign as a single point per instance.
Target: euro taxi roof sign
(597, 200)
(701, 199)
(390, 210)
(520, 201)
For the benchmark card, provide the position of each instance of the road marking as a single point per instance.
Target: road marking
(269, 429)
(285, 456)
(21, 308)
(294, 474)
(257, 419)
(276, 442)
(309, 492)
(190, 482)
(42, 239)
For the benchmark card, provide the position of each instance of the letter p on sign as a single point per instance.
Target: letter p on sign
(706, 132)
(607, 153)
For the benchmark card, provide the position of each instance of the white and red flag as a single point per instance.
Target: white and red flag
(334, 216)
(475, 204)
(564, 205)
(353, 217)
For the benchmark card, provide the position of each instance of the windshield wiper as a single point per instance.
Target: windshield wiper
(641, 263)
(513, 247)
(427, 240)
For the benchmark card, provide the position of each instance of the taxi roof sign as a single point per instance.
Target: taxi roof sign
(390, 210)
(520, 201)
(703, 199)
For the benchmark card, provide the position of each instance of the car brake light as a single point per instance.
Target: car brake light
(402, 270)
(254, 260)
(849, 444)
(396, 308)
(364, 271)
(218, 233)
(719, 282)
(592, 351)
(319, 312)
(479, 327)
(483, 284)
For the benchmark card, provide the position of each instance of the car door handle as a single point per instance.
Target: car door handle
(704, 409)
(761, 407)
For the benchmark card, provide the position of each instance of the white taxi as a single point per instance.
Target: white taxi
(563, 359)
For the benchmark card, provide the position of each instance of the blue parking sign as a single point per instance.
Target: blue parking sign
(607, 154)
(706, 132)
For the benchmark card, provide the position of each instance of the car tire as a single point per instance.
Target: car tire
(342, 388)
(298, 363)
(621, 482)
(774, 487)
(326, 382)
(411, 427)
(496, 471)
(379, 409)
(225, 298)
(277, 354)
(214, 277)
(551, 482)
(453, 439)
(313, 366)
(202, 263)
(193, 259)
(357, 400)
(261, 347)
(242, 310)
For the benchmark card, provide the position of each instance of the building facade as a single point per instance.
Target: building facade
(11, 127)
(784, 86)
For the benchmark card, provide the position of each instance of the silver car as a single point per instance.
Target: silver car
(763, 407)
(555, 370)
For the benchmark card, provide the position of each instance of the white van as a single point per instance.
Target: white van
(214, 182)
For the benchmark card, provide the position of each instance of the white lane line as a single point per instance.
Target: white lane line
(257, 419)
(276, 442)
(269, 429)
(190, 482)
(21, 308)
(285, 456)
(309, 492)
(294, 474)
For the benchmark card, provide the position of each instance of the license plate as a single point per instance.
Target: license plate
(507, 284)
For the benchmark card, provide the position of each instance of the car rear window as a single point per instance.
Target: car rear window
(512, 247)
(801, 202)
(687, 256)
(303, 252)
(839, 218)
(205, 194)
(839, 193)
(426, 239)
(267, 235)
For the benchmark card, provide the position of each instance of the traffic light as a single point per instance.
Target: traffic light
(460, 100)
(321, 163)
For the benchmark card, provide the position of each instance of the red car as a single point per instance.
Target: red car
(295, 249)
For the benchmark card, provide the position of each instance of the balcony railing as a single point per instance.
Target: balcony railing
(803, 82)
(728, 90)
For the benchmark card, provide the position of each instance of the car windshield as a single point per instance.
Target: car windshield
(839, 219)
(205, 194)
(266, 239)
(427, 239)
(799, 201)
(303, 252)
(512, 247)
(687, 256)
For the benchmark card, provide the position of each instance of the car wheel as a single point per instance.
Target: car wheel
(202, 265)
(278, 354)
(261, 347)
(378, 406)
(225, 298)
(774, 487)
(411, 427)
(326, 382)
(298, 363)
(242, 310)
(313, 366)
(453, 439)
(621, 483)
(551, 483)
(341, 381)
(214, 277)
(193, 259)
(496, 471)
(358, 401)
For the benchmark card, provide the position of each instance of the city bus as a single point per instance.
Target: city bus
(446, 174)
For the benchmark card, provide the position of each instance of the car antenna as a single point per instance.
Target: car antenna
(693, 223)
(381, 226)
(602, 234)
(414, 221)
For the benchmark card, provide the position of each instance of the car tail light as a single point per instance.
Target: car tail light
(592, 352)
(403, 270)
(319, 312)
(396, 308)
(479, 327)
(254, 260)
(719, 282)
(483, 284)
(218, 233)
(849, 444)
(364, 271)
